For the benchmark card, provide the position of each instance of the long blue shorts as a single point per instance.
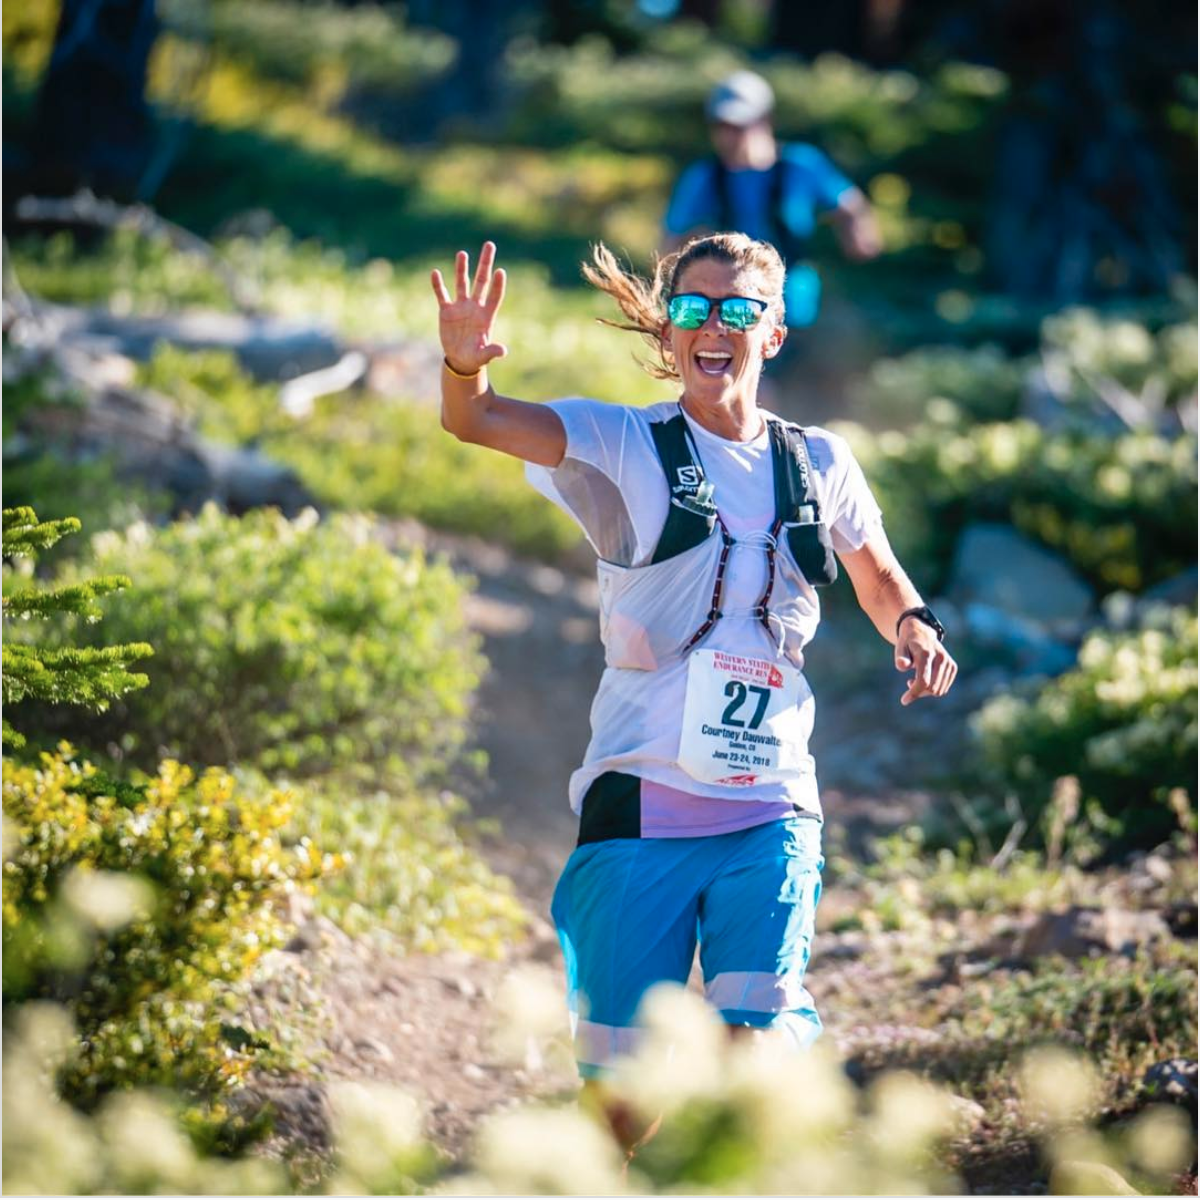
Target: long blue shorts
(630, 912)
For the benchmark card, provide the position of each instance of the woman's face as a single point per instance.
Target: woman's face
(715, 363)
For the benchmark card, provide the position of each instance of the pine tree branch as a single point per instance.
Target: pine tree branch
(25, 535)
(77, 598)
(91, 676)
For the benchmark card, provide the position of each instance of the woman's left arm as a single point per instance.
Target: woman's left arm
(884, 591)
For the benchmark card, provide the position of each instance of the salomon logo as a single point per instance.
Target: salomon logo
(689, 477)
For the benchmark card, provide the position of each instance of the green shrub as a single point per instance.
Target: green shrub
(1088, 353)
(308, 43)
(653, 99)
(147, 907)
(983, 383)
(1123, 721)
(1095, 348)
(396, 460)
(556, 348)
(294, 646)
(211, 390)
(126, 271)
(1121, 510)
(367, 453)
(55, 486)
(911, 881)
(1129, 1013)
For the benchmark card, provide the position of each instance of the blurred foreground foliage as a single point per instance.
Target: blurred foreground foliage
(133, 1145)
(148, 907)
(739, 1118)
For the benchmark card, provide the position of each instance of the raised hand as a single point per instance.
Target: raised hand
(465, 322)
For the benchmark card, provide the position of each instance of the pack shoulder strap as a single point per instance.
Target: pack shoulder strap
(722, 207)
(793, 475)
(798, 513)
(790, 247)
(690, 515)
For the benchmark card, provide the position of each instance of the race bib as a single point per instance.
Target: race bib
(745, 720)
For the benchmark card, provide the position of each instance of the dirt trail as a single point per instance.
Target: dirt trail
(424, 1022)
(541, 637)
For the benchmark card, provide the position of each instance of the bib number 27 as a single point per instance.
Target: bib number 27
(745, 720)
(740, 693)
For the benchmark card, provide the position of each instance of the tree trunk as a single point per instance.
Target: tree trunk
(472, 88)
(92, 125)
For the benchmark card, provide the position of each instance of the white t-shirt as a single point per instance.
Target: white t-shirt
(611, 482)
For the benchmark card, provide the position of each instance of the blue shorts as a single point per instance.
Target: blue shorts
(630, 912)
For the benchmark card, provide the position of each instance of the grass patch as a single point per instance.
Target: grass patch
(411, 868)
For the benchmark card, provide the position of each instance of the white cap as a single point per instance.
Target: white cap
(741, 99)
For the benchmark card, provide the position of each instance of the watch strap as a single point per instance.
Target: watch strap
(924, 614)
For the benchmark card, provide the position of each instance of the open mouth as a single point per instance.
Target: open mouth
(713, 362)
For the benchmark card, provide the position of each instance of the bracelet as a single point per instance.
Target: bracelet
(458, 374)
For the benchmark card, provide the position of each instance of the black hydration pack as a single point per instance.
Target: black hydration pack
(692, 515)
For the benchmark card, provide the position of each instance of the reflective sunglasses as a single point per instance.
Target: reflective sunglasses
(690, 311)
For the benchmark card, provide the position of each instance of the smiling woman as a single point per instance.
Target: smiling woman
(714, 523)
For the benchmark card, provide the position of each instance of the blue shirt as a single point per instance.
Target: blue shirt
(811, 185)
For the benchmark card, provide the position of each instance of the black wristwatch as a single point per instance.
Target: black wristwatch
(925, 615)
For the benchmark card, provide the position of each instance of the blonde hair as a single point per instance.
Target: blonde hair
(644, 301)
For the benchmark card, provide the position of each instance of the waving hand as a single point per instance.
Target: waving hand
(465, 322)
(471, 408)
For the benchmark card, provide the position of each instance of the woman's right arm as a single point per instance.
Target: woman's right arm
(471, 408)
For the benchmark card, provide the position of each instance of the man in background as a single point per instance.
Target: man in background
(773, 192)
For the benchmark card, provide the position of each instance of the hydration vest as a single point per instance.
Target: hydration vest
(653, 615)
(692, 515)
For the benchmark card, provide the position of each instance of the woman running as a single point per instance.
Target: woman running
(714, 523)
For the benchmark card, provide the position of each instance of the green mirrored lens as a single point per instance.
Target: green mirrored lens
(689, 312)
(740, 312)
